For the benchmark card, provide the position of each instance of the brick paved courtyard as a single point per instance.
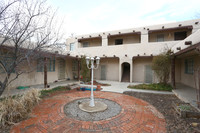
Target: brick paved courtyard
(136, 116)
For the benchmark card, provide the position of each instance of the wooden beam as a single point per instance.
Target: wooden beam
(198, 94)
(173, 73)
(45, 72)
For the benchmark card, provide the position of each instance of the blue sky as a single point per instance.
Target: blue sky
(91, 16)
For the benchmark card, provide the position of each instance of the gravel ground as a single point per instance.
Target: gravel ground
(163, 103)
(72, 110)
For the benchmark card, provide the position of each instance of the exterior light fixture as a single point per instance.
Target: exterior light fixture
(88, 60)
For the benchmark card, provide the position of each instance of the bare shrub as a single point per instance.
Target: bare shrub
(161, 66)
(13, 110)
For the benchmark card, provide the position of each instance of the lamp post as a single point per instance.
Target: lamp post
(88, 60)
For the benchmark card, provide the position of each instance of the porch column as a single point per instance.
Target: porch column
(78, 69)
(144, 37)
(198, 91)
(173, 73)
(120, 71)
(104, 40)
(45, 72)
(131, 71)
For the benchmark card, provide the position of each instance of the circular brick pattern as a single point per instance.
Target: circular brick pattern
(72, 110)
(136, 116)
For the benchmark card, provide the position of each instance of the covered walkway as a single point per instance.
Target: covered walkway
(186, 93)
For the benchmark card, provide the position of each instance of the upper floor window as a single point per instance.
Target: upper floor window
(180, 35)
(160, 38)
(118, 41)
(189, 66)
(71, 46)
(85, 44)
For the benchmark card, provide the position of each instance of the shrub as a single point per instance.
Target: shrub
(158, 87)
(15, 109)
(50, 91)
(161, 66)
(85, 72)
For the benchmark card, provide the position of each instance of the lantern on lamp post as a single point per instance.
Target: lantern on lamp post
(88, 61)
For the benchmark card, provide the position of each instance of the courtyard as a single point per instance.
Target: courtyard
(138, 111)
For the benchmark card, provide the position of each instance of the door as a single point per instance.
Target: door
(61, 69)
(103, 72)
(148, 74)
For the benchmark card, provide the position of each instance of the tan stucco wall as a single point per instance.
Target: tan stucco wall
(93, 42)
(168, 35)
(34, 77)
(139, 69)
(188, 79)
(127, 39)
(112, 69)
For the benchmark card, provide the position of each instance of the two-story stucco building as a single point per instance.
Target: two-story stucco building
(126, 55)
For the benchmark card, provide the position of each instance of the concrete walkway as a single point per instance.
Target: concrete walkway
(121, 87)
(186, 93)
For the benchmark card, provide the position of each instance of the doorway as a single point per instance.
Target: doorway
(125, 72)
(148, 74)
(103, 72)
(61, 69)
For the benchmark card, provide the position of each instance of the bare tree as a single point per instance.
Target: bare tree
(27, 29)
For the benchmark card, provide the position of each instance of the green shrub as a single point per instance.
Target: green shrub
(158, 87)
(85, 72)
(50, 91)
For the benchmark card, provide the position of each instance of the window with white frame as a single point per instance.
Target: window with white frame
(160, 38)
(189, 66)
(71, 46)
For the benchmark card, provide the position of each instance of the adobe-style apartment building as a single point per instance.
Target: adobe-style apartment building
(126, 55)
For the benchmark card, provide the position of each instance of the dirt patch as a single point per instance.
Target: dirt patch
(163, 103)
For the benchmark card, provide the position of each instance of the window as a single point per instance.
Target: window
(50, 65)
(74, 65)
(160, 38)
(71, 46)
(180, 35)
(85, 44)
(7, 62)
(189, 66)
(118, 41)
